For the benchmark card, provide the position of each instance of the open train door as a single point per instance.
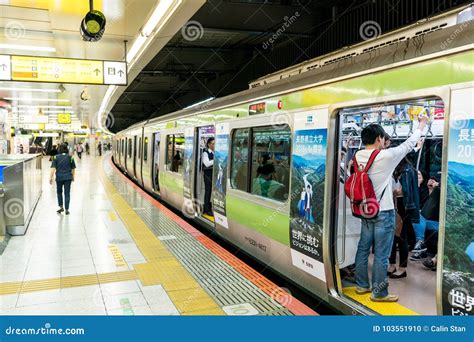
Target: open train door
(417, 285)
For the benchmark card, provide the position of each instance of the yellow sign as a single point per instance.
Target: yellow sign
(58, 70)
(64, 118)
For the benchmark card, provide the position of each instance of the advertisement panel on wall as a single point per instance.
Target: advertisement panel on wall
(307, 197)
(458, 260)
(221, 157)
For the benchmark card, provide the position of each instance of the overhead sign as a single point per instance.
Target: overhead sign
(62, 70)
(64, 118)
(5, 68)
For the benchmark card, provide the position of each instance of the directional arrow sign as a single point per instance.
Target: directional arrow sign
(5, 70)
(62, 70)
(115, 73)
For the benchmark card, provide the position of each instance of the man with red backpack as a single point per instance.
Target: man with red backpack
(370, 191)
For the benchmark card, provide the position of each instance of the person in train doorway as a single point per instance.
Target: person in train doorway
(64, 167)
(207, 166)
(380, 230)
(79, 150)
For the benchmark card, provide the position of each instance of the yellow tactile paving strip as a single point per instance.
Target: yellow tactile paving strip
(387, 309)
(66, 282)
(162, 268)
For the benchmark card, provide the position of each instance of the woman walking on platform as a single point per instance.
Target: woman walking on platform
(64, 167)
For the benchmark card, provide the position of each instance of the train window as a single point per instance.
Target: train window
(240, 149)
(130, 148)
(174, 152)
(145, 150)
(270, 170)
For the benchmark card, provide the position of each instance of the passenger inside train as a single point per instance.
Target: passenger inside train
(416, 197)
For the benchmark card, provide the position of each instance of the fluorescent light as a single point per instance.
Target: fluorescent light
(27, 47)
(152, 25)
(200, 102)
(32, 90)
(32, 100)
(44, 112)
(46, 106)
(155, 18)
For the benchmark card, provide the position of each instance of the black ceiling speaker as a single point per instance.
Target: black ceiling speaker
(93, 25)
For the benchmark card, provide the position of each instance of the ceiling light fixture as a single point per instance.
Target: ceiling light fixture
(36, 90)
(153, 25)
(27, 47)
(25, 106)
(33, 100)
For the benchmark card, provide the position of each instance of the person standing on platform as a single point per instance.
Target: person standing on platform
(87, 148)
(207, 166)
(79, 150)
(99, 149)
(64, 167)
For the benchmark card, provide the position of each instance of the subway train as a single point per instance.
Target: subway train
(281, 156)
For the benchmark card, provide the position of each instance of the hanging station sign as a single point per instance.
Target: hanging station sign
(62, 70)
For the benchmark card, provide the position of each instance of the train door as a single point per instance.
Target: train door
(156, 161)
(416, 182)
(139, 158)
(203, 171)
(135, 156)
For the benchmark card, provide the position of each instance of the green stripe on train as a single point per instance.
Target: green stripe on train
(266, 221)
(428, 74)
(171, 183)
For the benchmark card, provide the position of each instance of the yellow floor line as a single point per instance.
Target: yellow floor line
(388, 309)
(65, 282)
(162, 267)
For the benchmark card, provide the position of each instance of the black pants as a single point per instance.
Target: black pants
(79, 154)
(402, 240)
(67, 192)
(207, 191)
(431, 242)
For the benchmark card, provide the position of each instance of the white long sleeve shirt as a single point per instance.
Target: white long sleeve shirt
(380, 173)
(205, 159)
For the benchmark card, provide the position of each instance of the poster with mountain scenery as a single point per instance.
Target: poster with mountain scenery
(307, 199)
(458, 261)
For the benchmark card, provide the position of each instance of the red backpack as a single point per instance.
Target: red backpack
(359, 189)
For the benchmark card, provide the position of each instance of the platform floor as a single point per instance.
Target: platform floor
(120, 252)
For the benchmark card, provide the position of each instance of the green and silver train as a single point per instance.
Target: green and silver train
(281, 158)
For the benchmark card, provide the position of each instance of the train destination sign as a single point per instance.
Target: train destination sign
(62, 70)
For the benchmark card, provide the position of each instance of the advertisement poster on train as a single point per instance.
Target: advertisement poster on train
(458, 261)
(187, 162)
(221, 155)
(307, 197)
